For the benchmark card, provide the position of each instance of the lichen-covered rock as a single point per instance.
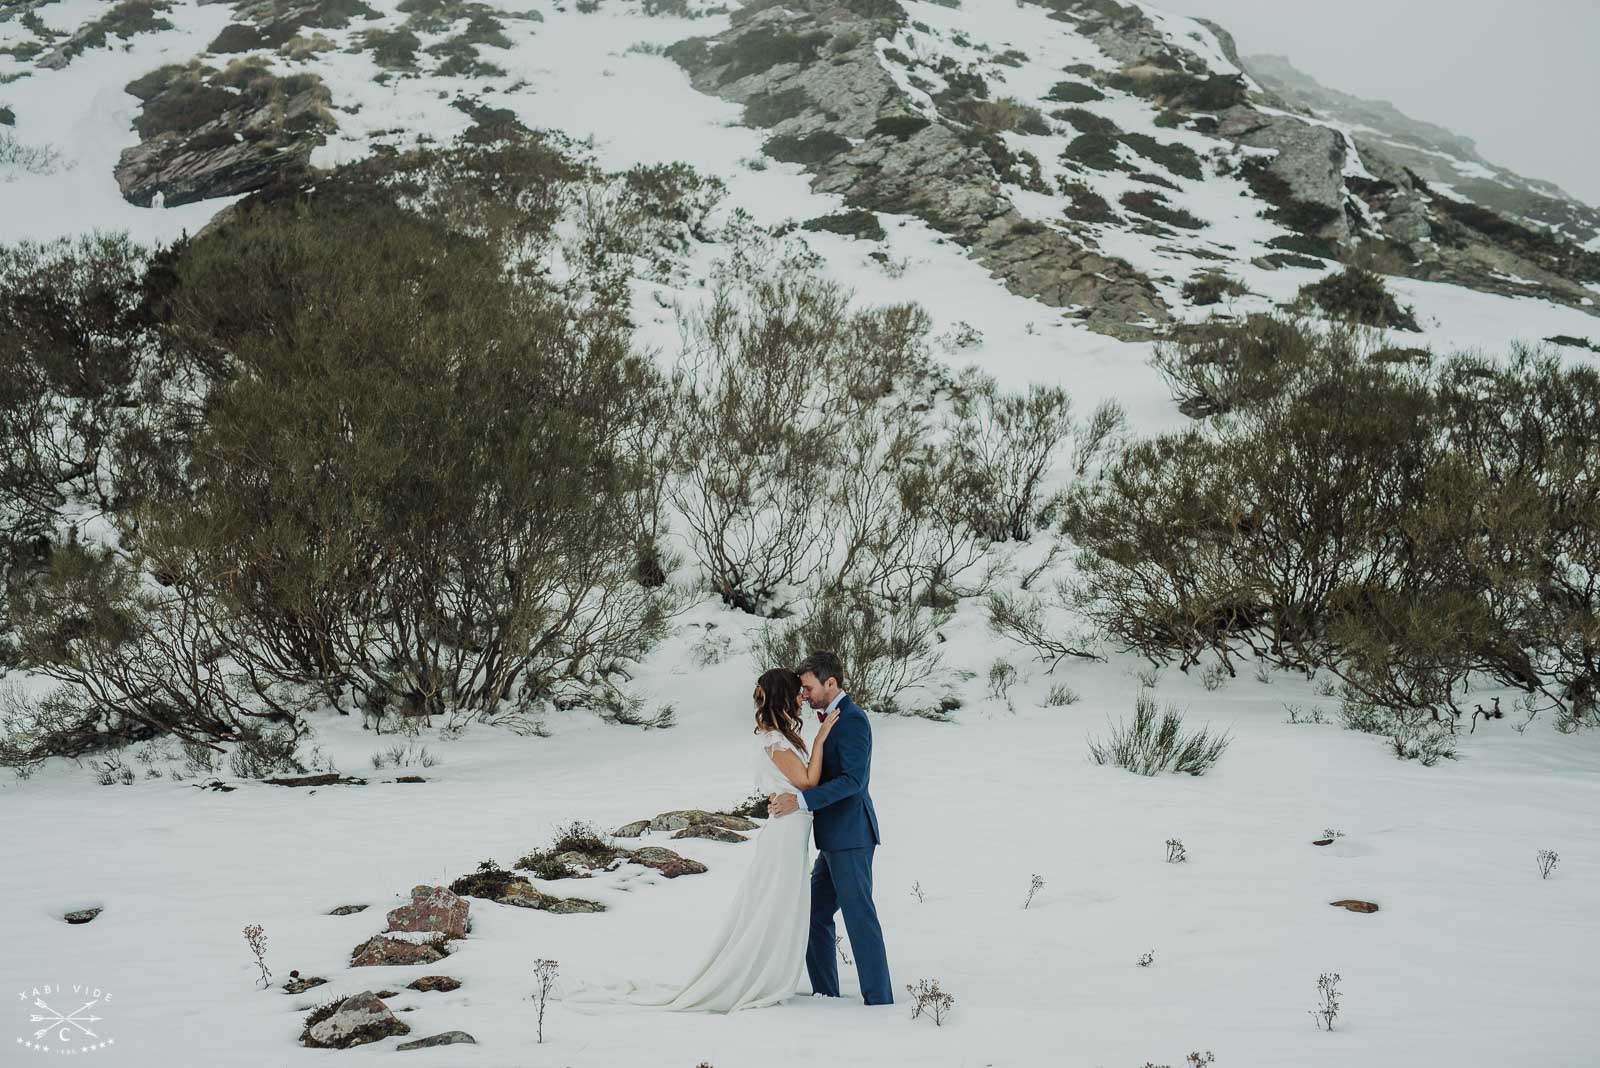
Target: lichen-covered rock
(354, 1021)
(81, 915)
(863, 139)
(432, 908)
(712, 831)
(666, 862)
(298, 984)
(509, 889)
(1355, 905)
(383, 950)
(679, 819)
(346, 910)
(207, 133)
(635, 829)
(430, 983)
(1310, 159)
(448, 1038)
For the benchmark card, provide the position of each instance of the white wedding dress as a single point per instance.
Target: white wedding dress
(758, 954)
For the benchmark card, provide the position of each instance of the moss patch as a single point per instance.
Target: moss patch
(1073, 93)
(1153, 205)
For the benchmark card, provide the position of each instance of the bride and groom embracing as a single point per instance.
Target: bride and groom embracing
(781, 919)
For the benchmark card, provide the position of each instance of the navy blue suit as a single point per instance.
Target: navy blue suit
(846, 830)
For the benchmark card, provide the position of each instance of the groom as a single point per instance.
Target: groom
(846, 829)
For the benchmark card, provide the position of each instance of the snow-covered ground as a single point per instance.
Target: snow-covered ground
(1472, 959)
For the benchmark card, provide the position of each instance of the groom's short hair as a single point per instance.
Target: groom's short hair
(824, 665)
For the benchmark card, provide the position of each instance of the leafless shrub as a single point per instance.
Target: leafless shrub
(544, 977)
(1035, 884)
(1328, 995)
(1548, 858)
(256, 938)
(927, 999)
(1176, 854)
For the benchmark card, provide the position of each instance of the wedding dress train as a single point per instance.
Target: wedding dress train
(757, 956)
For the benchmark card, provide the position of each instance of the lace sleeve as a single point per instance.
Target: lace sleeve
(772, 741)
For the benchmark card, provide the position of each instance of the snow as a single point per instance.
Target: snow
(1473, 960)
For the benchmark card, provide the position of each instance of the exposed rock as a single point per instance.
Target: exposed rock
(432, 908)
(666, 862)
(382, 949)
(509, 889)
(82, 915)
(635, 829)
(347, 910)
(1355, 906)
(297, 984)
(712, 831)
(862, 139)
(681, 818)
(448, 1038)
(328, 778)
(208, 133)
(1310, 160)
(354, 1021)
(431, 983)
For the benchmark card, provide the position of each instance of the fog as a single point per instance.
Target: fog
(1519, 78)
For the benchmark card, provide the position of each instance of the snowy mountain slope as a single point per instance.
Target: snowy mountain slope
(1439, 155)
(1472, 959)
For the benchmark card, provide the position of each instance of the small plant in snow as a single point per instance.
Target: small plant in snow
(962, 335)
(916, 890)
(928, 999)
(256, 938)
(1147, 960)
(1002, 676)
(1034, 886)
(544, 975)
(1301, 714)
(1214, 676)
(1328, 994)
(1332, 832)
(1548, 858)
(1147, 678)
(1154, 742)
(1200, 1060)
(1060, 696)
(1175, 851)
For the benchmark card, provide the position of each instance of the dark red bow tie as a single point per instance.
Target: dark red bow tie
(822, 716)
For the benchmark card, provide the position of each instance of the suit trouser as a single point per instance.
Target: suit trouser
(841, 881)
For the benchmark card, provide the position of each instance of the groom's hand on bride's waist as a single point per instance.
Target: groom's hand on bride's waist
(781, 804)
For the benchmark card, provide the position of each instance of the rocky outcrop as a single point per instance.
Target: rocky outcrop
(381, 950)
(208, 133)
(432, 909)
(430, 983)
(843, 116)
(353, 1021)
(1310, 159)
(508, 889)
(447, 1038)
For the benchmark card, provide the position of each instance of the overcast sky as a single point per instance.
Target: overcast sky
(1519, 77)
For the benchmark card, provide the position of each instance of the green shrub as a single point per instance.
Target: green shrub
(1086, 122)
(1095, 151)
(1359, 296)
(1073, 93)
(1181, 91)
(1149, 745)
(855, 223)
(815, 147)
(769, 109)
(1153, 205)
(391, 49)
(237, 37)
(1179, 159)
(898, 127)
(1086, 205)
(1210, 287)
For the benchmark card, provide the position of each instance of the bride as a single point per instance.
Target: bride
(758, 954)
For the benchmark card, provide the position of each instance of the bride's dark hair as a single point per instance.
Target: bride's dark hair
(775, 697)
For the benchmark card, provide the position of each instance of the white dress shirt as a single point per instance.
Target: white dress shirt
(799, 795)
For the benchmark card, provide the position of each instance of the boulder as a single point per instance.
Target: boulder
(690, 817)
(429, 983)
(712, 831)
(635, 829)
(666, 862)
(508, 889)
(432, 908)
(1354, 905)
(81, 915)
(346, 910)
(448, 1038)
(354, 1021)
(299, 985)
(381, 950)
(1310, 158)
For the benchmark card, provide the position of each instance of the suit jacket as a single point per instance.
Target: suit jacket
(842, 816)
